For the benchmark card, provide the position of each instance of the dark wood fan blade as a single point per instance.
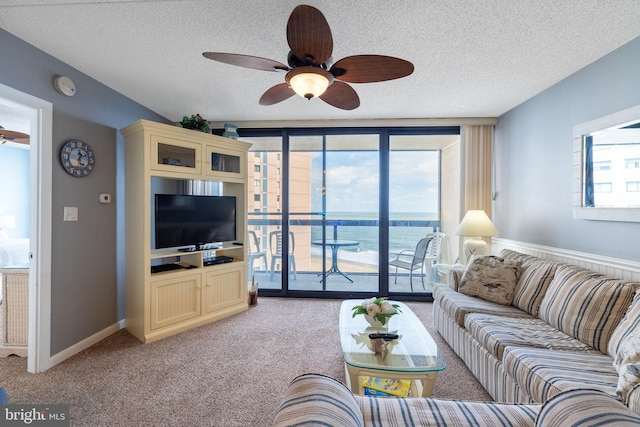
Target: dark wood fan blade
(12, 134)
(370, 68)
(275, 94)
(309, 35)
(246, 61)
(341, 95)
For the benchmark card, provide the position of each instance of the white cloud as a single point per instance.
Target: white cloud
(353, 181)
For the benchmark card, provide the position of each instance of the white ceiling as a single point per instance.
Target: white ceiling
(472, 58)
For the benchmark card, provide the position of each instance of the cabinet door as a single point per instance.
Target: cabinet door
(224, 287)
(225, 164)
(174, 155)
(175, 300)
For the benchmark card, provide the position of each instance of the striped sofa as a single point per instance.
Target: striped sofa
(316, 400)
(563, 330)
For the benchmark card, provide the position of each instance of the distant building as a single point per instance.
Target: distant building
(265, 200)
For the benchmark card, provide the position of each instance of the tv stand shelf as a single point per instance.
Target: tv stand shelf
(159, 304)
(165, 268)
(172, 261)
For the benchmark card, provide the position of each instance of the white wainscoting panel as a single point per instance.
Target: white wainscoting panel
(616, 267)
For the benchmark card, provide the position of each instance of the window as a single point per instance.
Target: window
(256, 183)
(633, 186)
(602, 166)
(256, 168)
(632, 163)
(256, 197)
(603, 187)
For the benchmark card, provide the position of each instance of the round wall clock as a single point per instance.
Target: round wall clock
(77, 158)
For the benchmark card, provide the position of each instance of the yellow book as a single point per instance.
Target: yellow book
(392, 386)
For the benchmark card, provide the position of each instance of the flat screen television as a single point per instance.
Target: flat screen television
(187, 220)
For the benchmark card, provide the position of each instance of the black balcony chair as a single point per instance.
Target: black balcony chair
(411, 260)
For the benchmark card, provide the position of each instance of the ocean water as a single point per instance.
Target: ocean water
(404, 235)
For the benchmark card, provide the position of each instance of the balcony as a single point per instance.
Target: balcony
(356, 266)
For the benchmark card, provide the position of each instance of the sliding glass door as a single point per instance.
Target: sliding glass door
(334, 201)
(330, 210)
(265, 211)
(414, 211)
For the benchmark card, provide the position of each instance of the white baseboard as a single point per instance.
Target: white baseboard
(617, 267)
(86, 343)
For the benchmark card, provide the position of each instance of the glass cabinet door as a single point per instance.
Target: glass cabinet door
(221, 161)
(173, 155)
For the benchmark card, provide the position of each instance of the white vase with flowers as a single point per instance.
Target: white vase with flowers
(377, 311)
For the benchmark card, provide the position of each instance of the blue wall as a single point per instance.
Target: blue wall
(534, 156)
(87, 262)
(14, 188)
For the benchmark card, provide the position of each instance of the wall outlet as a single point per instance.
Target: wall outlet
(105, 198)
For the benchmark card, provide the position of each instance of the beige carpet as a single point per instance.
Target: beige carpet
(230, 373)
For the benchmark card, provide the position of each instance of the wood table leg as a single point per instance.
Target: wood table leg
(353, 379)
(427, 386)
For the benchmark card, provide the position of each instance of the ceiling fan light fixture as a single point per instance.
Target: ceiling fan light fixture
(308, 81)
(308, 73)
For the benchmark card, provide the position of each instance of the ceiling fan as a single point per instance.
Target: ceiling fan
(309, 71)
(13, 136)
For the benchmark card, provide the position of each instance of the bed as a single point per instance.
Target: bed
(13, 253)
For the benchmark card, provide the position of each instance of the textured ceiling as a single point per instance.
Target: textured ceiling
(472, 58)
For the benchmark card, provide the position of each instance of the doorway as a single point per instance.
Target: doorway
(35, 117)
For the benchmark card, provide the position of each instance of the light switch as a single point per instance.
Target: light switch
(70, 213)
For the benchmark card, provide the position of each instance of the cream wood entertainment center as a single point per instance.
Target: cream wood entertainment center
(161, 304)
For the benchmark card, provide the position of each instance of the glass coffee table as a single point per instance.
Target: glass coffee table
(413, 356)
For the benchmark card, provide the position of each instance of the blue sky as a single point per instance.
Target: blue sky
(353, 181)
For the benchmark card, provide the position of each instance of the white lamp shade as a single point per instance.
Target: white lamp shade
(476, 223)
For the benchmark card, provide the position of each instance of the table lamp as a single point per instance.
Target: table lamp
(475, 225)
(6, 222)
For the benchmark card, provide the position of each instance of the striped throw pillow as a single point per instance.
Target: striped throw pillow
(518, 256)
(532, 285)
(586, 305)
